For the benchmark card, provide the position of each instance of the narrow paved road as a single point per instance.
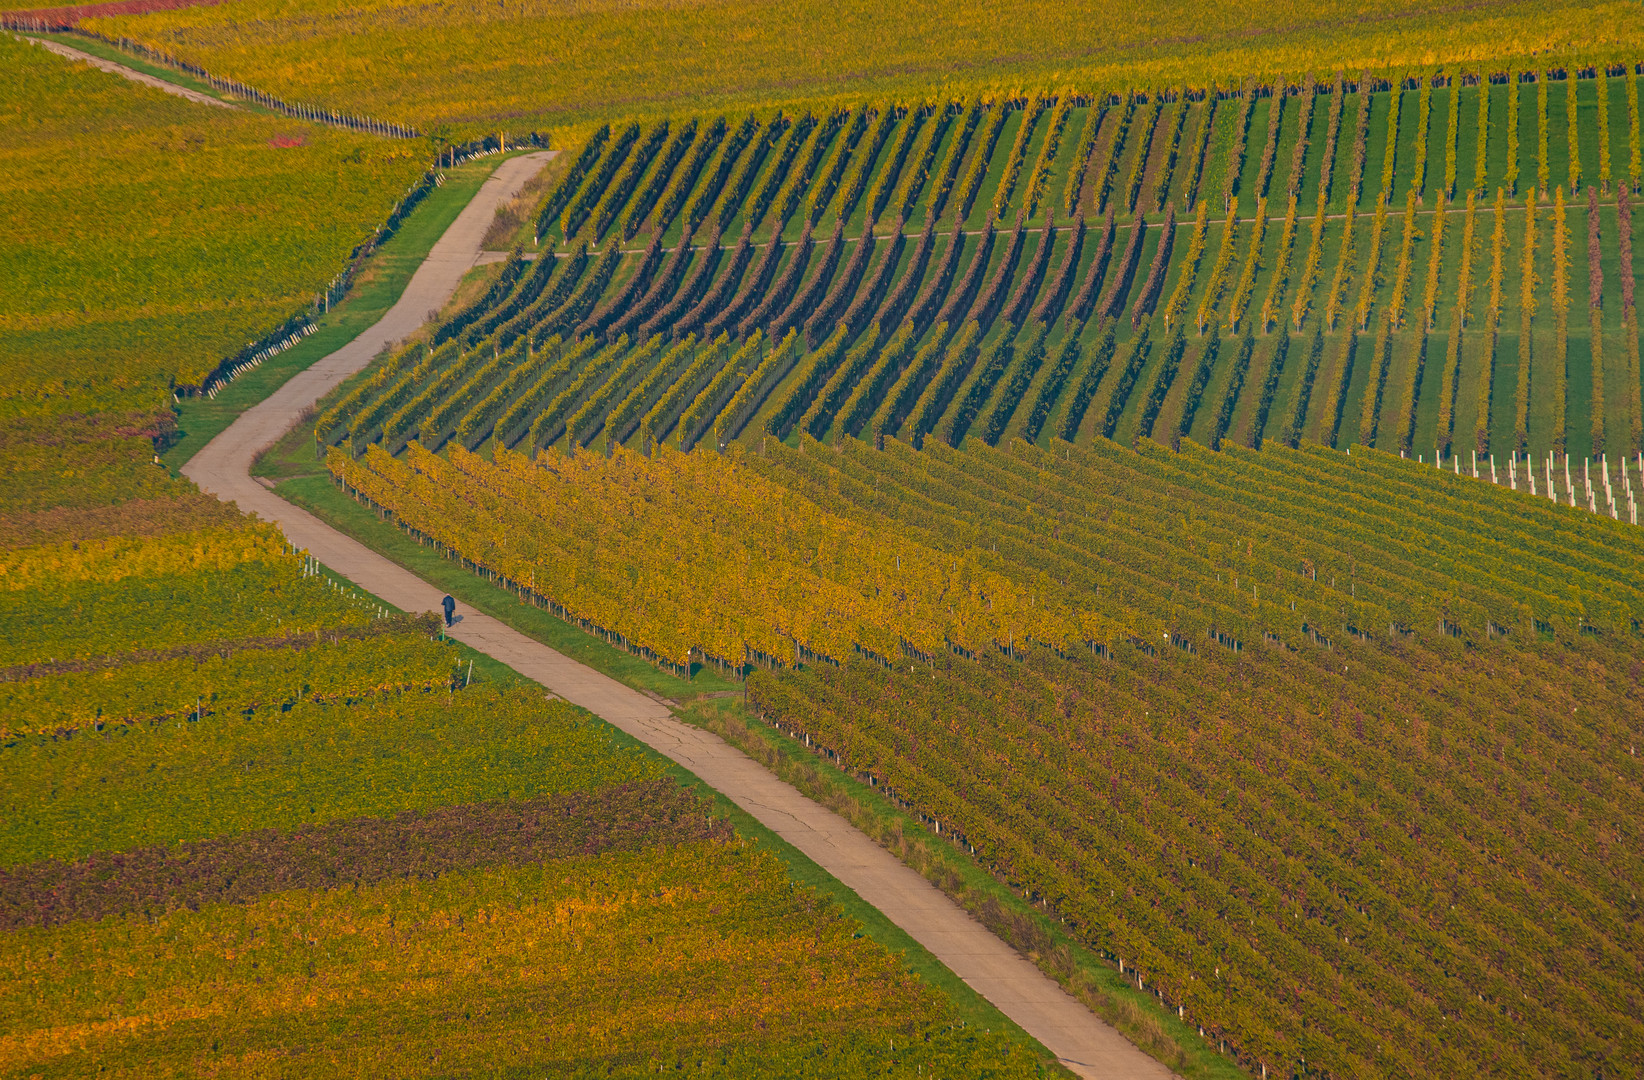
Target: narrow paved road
(131, 73)
(995, 970)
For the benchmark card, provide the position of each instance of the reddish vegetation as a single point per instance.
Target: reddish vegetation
(68, 16)
(181, 512)
(286, 142)
(239, 869)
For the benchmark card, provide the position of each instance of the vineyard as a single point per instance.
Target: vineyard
(216, 753)
(1343, 262)
(499, 849)
(283, 825)
(954, 428)
(902, 553)
(946, 425)
(1077, 665)
(1343, 872)
(536, 64)
(244, 219)
(493, 967)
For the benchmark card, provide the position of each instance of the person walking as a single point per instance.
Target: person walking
(450, 606)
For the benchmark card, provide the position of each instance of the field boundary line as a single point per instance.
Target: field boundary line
(1081, 1041)
(130, 73)
(27, 26)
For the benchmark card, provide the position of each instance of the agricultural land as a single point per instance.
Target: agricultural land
(904, 405)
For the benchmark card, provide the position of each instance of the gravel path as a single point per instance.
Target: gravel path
(1084, 1043)
(131, 73)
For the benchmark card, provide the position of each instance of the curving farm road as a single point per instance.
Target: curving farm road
(1016, 987)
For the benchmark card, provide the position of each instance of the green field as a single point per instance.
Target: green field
(288, 852)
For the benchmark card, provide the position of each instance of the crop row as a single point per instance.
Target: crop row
(355, 853)
(1360, 868)
(719, 963)
(130, 786)
(1322, 636)
(1366, 380)
(225, 682)
(77, 620)
(950, 547)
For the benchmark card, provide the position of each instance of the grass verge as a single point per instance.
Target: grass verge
(320, 497)
(378, 286)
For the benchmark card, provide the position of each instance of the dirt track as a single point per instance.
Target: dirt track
(131, 73)
(1015, 986)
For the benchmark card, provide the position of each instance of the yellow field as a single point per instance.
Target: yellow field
(549, 64)
(144, 237)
